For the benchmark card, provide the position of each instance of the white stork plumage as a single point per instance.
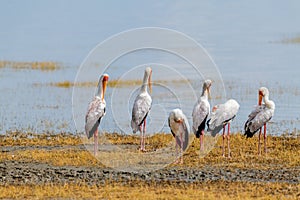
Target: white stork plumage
(260, 116)
(96, 110)
(222, 115)
(180, 129)
(200, 113)
(141, 108)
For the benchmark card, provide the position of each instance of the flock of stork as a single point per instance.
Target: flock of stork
(220, 116)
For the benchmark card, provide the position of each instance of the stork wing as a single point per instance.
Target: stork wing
(185, 129)
(216, 121)
(141, 107)
(186, 132)
(96, 111)
(223, 114)
(253, 114)
(260, 119)
(200, 113)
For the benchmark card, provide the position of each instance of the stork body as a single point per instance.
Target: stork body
(180, 130)
(222, 115)
(259, 117)
(200, 113)
(141, 108)
(96, 110)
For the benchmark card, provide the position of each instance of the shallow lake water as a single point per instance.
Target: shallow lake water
(243, 39)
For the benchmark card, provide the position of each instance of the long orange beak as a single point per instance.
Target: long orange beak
(150, 83)
(104, 83)
(260, 97)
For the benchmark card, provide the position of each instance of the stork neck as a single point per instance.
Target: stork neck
(204, 93)
(100, 90)
(266, 100)
(145, 81)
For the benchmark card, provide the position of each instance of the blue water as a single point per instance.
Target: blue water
(243, 38)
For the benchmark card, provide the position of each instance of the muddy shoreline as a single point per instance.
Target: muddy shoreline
(17, 172)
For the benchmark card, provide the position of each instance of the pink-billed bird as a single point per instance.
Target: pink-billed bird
(96, 110)
(222, 115)
(180, 129)
(141, 108)
(200, 113)
(259, 117)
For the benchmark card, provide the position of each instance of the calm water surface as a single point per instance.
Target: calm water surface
(242, 38)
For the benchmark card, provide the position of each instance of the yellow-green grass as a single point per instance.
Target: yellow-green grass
(282, 151)
(141, 190)
(17, 138)
(43, 66)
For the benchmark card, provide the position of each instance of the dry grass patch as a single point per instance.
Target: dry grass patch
(294, 40)
(282, 151)
(43, 66)
(18, 138)
(64, 157)
(154, 142)
(141, 190)
(112, 83)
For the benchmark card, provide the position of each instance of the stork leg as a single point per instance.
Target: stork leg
(96, 142)
(141, 138)
(228, 140)
(259, 142)
(223, 147)
(176, 147)
(202, 141)
(181, 148)
(144, 135)
(265, 138)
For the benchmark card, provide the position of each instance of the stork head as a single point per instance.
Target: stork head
(206, 86)
(262, 92)
(102, 83)
(177, 115)
(215, 108)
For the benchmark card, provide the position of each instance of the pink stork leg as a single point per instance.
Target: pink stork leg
(223, 147)
(265, 138)
(202, 141)
(181, 149)
(141, 137)
(259, 141)
(96, 142)
(228, 141)
(144, 135)
(177, 153)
